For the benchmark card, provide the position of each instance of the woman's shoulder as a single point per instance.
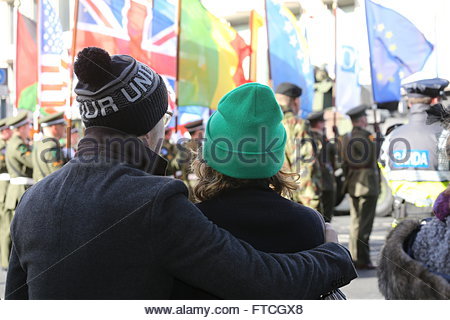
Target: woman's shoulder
(302, 208)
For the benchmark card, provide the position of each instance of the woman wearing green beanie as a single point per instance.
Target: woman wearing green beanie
(241, 183)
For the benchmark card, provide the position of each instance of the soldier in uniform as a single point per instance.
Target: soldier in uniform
(4, 183)
(299, 152)
(47, 153)
(414, 155)
(75, 136)
(186, 152)
(169, 152)
(323, 174)
(20, 168)
(362, 183)
(74, 139)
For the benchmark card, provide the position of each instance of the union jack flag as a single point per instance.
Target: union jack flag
(135, 28)
(53, 57)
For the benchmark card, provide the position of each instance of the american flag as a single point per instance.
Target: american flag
(135, 28)
(53, 60)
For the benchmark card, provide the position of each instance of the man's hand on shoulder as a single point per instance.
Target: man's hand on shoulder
(330, 233)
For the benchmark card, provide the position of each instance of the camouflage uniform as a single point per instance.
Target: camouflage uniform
(185, 156)
(300, 159)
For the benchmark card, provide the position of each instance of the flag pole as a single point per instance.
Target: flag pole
(375, 124)
(335, 131)
(253, 43)
(268, 44)
(177, 80)
(370, 50)
(73, 49)
(39, 44)
(16, 22)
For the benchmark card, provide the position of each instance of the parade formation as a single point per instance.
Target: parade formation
(161, 168)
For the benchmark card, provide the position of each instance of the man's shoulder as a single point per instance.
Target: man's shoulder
(316, 135)
(14, 141)
(359, 130)
(47, 142)
(16, 145)
(411, 131)
(361, 133)
(116, 183)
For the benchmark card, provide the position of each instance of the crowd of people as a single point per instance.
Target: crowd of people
(242, 209)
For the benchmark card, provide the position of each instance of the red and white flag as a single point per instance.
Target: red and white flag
(53, 61)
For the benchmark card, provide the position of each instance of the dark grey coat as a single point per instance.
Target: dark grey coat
(103, 227)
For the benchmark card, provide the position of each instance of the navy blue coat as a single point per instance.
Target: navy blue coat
(264, 219)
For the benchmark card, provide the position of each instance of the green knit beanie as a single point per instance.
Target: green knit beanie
(245, 138)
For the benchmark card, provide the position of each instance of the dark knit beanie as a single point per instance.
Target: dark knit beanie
(118, 92)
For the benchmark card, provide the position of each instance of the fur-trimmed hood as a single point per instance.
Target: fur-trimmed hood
(401, 277)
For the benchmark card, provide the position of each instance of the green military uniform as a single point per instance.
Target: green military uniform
(47, 155)
(4, 183)
(323, 174)
(20, 169)
(363, 186)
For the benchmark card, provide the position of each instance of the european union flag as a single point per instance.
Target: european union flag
(288, 54)
(397, 50)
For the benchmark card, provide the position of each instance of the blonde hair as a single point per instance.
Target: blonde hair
(212, 182)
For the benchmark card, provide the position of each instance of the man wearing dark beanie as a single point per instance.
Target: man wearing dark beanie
(108, 226)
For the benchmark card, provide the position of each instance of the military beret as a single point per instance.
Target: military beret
(289, 89)
(429, 87)
(316, 116)
(357, 112)
(194, 126)
(52, 119)
(18, 121)
(3, 123)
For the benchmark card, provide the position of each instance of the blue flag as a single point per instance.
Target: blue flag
(288, 54)
(397, 50)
